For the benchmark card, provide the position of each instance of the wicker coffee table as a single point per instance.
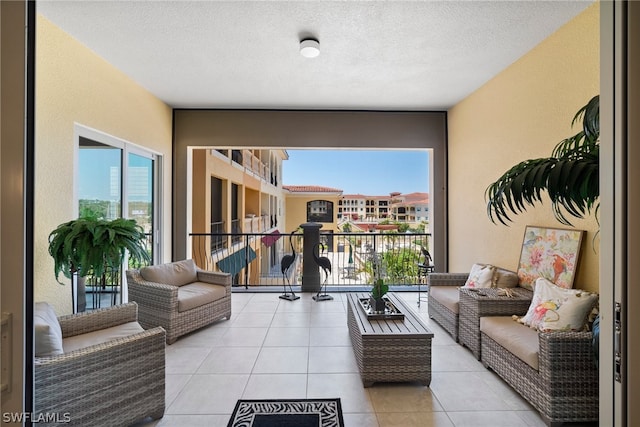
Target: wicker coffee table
(389, 350)
(480, 302)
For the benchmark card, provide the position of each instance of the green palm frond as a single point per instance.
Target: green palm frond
(570, 176)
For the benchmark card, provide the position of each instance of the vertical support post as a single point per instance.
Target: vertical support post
(310, 270)
(246, 261)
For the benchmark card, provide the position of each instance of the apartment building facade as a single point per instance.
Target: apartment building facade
(237, 196)
(411, 208)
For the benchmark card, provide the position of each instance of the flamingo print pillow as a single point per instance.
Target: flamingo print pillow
(480, 276)
(558, 309)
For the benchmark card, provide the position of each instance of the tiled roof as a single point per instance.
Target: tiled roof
(417, 195)
(415, 202)
(362, 196)
(310, 189)
(415, 198)
(409, 198)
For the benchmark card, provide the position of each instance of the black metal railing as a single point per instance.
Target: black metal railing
(106, 290)
(254, 258)
(236, 229)
(217, 240)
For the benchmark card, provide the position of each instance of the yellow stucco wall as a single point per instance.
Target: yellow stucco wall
(74, 85)
(520, 114)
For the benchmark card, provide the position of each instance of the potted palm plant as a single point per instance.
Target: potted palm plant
(570, 176)
(92, 246)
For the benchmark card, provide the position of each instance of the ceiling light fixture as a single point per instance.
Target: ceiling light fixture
(310, 48)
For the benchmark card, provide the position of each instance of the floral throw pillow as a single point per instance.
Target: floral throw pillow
(480, 276)
(558, 309)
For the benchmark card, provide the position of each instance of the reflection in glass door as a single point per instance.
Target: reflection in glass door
(99, 180)
(140, 194)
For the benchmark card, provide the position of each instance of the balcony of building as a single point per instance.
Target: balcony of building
(256, 163)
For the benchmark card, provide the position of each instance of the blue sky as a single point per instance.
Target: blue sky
(368, 172)
(365, 172)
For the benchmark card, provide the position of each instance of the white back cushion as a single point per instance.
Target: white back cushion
(177, 273)
(48, 335)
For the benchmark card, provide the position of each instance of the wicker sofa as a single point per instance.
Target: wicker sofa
(97, 368)
(179, 297)
(444, 297)
(554, 371)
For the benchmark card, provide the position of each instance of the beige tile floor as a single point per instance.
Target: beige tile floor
(273, 348)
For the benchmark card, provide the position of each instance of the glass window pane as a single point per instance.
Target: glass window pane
(99, 180)
(320, 211)
(140, 191)
(140, 194)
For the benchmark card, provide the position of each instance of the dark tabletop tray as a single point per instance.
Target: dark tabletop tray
(391, 312)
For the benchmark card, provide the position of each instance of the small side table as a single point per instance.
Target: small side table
(476, 303)
(423, 280)
(424, 269)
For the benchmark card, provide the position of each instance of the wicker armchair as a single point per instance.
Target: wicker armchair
(179, 297)
(443, 301)
(562, 384)
(115, 383)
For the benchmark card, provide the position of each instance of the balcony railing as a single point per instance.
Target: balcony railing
(254, 258)
(106, 290)
(217, 241)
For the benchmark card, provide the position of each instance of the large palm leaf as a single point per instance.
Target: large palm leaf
(569, 177)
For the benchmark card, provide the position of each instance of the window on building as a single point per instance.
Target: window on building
(320, 211)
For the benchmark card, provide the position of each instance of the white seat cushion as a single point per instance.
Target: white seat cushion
(449, 296)
(101, 336)
(518, 339)
(199, 293)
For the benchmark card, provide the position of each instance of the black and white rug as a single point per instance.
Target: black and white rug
(287, 413)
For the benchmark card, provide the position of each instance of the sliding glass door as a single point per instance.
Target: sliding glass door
(116, 180)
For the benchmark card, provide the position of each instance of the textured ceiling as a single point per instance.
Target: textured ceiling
(391, 55)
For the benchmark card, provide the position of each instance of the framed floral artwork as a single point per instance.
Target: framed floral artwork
(552, 253)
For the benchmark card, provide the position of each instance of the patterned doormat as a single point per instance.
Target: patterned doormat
(287, 413)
